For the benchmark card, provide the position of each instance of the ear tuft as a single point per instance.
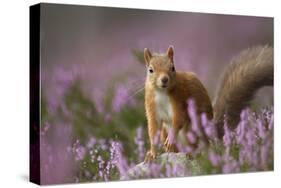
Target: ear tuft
(170, 53)
(147, 56)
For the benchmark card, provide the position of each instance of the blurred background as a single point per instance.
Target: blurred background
(92, 82)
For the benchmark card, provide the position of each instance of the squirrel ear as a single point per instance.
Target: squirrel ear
(170, 53)
(147, 56)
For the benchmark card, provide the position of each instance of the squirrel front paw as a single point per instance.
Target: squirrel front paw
(170, 146)
(150, 156)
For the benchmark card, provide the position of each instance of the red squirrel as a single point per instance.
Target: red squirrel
(168, 90)
(166, 94)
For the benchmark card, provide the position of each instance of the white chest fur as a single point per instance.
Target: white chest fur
(164, 111)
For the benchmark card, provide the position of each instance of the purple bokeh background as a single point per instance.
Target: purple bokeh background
(97, 42)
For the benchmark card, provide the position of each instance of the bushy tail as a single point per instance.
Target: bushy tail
(249, 71)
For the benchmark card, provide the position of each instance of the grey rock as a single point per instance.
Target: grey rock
(165, 165)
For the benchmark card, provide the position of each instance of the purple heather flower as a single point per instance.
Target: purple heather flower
(251, 137)
(255, 159)
(119, 160)
(57, 159)
(80, 152)
(261, 129)
(87, 173)
(193, 117)
(188, 149)
(266, 149)
(98, 98)
(214, 158)
(200, 147)
(121, 98)
(103, 144)
(209, 127)
(139, 141)
(245, 114)
(227, 138)
(101, 163)
(270, 126)
(230, 166)
(241, 131)
(62, 79)
(91, 142)
(156, 139)
(191, 137)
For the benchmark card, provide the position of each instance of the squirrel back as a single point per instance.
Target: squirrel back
(248, 72)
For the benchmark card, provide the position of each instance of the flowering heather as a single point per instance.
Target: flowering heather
(121, 98)
(110, 147)
(58, 83)
(139, 141)
(90, 153)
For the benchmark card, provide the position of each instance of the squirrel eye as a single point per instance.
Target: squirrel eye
(173, 68)
(150, 70)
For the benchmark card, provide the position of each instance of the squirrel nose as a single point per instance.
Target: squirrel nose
(165, 80)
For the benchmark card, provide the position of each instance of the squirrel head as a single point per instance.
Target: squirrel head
(160, 68)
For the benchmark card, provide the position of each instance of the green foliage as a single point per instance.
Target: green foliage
(84, 115)
(80, 111)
